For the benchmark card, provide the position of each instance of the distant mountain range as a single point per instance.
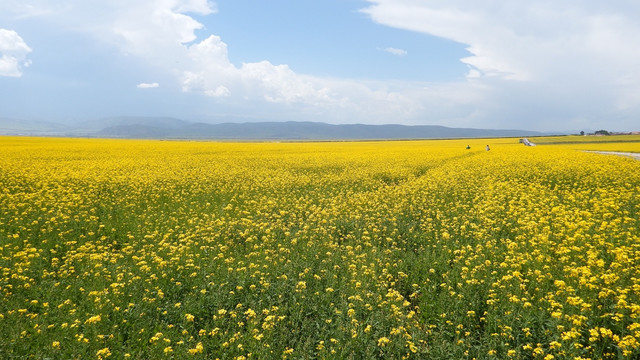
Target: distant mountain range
(172, 128)
(29, 127)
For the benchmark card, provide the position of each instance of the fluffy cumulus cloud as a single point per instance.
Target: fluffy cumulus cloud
(165, 36)
(163, 33)
(577, 59)
(13, 53)
(395, 51)
(148, 85)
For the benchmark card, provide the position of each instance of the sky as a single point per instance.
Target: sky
(542, 65)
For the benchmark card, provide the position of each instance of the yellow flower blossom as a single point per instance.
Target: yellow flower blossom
(383, 341)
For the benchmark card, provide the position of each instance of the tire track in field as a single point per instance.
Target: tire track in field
(618, 153)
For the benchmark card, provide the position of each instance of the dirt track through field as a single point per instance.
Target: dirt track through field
(633, 155)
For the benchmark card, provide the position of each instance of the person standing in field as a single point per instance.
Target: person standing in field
(468, 147)
(488, 148)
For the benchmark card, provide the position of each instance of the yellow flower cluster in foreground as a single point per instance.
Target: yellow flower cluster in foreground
(113, 249)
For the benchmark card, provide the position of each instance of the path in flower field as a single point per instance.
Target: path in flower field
(630, 154)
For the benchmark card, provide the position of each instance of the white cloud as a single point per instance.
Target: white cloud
(147, 27)
(163, 33)
(220, 91)
(574, 59)
(23, 9)
(534, 40)
(195, 6)
(148, 85)
(394, 51)
(13, 53)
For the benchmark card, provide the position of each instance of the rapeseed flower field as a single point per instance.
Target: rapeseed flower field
(121, 249)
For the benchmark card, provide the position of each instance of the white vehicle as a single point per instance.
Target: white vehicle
(526, 142)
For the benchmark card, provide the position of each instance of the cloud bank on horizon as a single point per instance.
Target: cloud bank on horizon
(537, 65)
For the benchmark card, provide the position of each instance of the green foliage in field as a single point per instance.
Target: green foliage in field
(588, 139)
(425, 250)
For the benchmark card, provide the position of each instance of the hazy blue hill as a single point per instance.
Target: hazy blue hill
(298, 131)
(263, 130)
(172, 128)
(9, 126)
(96, 125)
(136, 131)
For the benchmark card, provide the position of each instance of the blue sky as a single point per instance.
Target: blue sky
(536, 65)
(331, 38)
